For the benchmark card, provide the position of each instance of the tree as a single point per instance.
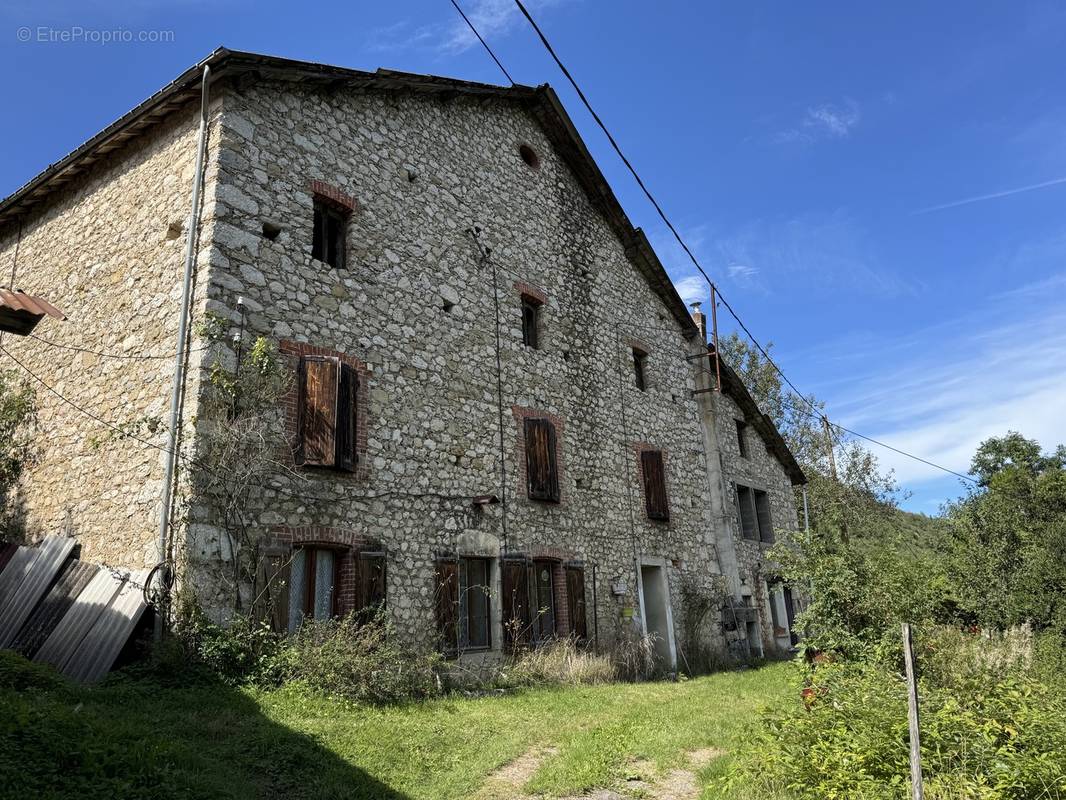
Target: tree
(17, 414)
(1008, 547)
(859, 564)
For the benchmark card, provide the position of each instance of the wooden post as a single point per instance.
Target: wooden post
(829, 447)
(912, 715)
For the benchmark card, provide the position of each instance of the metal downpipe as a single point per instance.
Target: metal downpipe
(183, 331)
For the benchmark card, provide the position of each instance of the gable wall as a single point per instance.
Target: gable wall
(98, 250)
(432, 439)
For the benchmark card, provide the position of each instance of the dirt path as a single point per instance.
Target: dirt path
(678, 784)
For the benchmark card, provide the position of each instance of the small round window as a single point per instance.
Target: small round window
(529, 155)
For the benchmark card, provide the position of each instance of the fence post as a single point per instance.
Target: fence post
(912, 715)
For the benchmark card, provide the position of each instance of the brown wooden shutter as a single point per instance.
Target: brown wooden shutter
(514, 586)
(655, 500)
(746, 509)
(575, 597)
(317, 429)
(271, 601)
(446, 602)
(347, 418)
(762, 511)
(370, 587)
(541, 470)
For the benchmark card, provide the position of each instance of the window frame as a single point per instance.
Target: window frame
(742, 442)
(543, 631)
(464, 612)
(531, 321)
(640, 368)
(760, 519)
(306, 610)
(344, 406)
(329, 238)
(550, 491)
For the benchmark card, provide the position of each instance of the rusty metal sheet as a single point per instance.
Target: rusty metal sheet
(15, 571)
(73, 578)
(20, 301)
(82, 615)
(101, 646)
(17, 607)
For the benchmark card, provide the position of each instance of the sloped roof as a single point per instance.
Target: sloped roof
(243, 67)
(733, 386)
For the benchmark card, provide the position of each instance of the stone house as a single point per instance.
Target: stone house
(499, 421)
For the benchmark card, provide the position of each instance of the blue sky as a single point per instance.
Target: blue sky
(879, 189)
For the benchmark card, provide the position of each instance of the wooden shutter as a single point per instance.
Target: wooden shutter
(575, 598)
(446, 602)
(347, 417)
(271, 601)
(655, 500)
(317, 428)
(541, 471)
(515, 602)
(370, 586)
(746, 508)
(762, 511)
(318, 241)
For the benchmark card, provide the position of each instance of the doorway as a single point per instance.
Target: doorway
(655, 614)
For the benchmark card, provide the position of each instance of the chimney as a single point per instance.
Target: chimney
(700, 319)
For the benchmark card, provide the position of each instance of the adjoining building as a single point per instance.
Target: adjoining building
(500, 423)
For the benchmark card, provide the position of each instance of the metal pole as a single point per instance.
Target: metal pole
(183, 330)
(918, 792)
(714, 335)
(595, 613)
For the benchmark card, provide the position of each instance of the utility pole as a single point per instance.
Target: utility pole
(829, 447)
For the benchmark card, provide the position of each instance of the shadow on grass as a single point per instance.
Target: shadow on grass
(145, 739)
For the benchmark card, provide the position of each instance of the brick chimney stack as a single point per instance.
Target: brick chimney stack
(700, 319)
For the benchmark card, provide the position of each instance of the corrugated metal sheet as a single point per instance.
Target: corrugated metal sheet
(101, 646)
(6, 551)
(16, 608)
(15, 571)
(73, 578)
(20, 301)
(83, 614)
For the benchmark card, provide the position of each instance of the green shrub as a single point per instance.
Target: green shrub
(848, 738)
(357, 659)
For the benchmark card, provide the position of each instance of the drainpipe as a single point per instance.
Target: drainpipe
(183, 331)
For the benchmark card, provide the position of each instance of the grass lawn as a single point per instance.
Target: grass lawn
(139, 738)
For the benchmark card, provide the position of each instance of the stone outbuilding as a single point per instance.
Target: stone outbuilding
(496, 418)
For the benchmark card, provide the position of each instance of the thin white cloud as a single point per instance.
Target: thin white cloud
(826, 121)
(993, 196)
(742, 272)
(494, 19)
(956, 385)
(693, 289)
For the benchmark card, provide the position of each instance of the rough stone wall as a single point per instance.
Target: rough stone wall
(415, 305)
(759, 469)
(107, 249)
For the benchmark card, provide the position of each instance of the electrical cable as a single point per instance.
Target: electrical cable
(483, 42)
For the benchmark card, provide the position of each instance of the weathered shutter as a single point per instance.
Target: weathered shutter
(655, 500)
(347, 417)
(271, 601)
(541, 472)
(317, 428)
(575, 597)
(446, 602)
(370, 588)
(762, 510)
(515, 602)
(746, 510)
(318, 240)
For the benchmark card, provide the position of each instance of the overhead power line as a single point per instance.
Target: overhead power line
(484, 44)
(688, 251)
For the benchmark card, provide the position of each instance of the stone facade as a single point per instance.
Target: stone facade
(447, 225)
